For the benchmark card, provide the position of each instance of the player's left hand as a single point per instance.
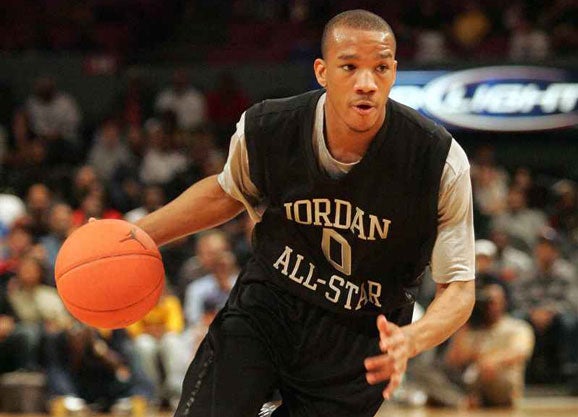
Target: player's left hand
(392, 364)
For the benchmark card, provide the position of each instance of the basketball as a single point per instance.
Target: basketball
(109, 273)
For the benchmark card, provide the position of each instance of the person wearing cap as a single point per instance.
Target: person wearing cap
(486, 274)
(548, 300)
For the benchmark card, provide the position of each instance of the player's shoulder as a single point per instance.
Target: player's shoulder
(286, 104)
(415, 123)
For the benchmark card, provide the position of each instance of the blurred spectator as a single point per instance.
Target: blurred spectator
(209, 246)
(134, 104)
(527, 42)
(521, 223)
(485, 254)
(83, 183)
(195, 334)
(215, 285)
(560, 19)
(17, 350)
(11, 209)
(161, 163)
(489, 182)
(510, 264)
(428, 21)
(38, 202)
(187, 103)
(87, 367)
(60, 227)
(37, 306)
(18, 242)
(225, 105)
(470, 26)
(564, 217)
(108, 152)
(157, 339)
(153, 197)
(53, 114)
(94, 205)
(492, 350)
(548, 300)
(536, 193)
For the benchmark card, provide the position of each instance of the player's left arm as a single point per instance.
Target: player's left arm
(453, 270)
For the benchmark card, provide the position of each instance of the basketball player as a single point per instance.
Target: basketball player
(360, 194)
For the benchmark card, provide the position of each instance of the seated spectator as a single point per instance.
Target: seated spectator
(83, 183)
(215, 285)
(521, 223)
(470, 26)
(93, 205)
(491, 351)
(564, 217)
(527, 42)
(38, 202)
(157, 338)
(209, 246)
(108, 152)
(18, 243)
(53, 114)
(195, 334)
(510, 264)
(60, 224)
(160, 163)
(186, 102)
(485, 275)
(37, 307)
(17, 349)
(548, 300)
(86, 367)
(153, 198)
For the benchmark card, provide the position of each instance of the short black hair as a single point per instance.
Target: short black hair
(355, 19)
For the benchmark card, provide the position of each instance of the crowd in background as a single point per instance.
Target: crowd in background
(273, 30)
(55, 174)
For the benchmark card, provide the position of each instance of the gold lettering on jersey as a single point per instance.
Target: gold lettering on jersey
(336, 289)
(338, 214)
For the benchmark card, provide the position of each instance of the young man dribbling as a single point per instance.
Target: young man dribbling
(360, 195)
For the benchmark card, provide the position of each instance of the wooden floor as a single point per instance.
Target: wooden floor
(532, 407)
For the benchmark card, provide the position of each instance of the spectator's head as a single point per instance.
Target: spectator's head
(30, 272)
(485, 254)
(180, 80)
(156, 136)
(500, 238)
(109, 135)
(565, 193)
(85, 178)
(209, 246)
(19, 241)
(225, 265)
(517, 199)
(45, 88)
(135, 139)
(547, 249)
(38, 199)
(496, 305)
(60, 221)
(154, 197)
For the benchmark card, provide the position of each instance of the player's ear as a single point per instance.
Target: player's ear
(320, 71)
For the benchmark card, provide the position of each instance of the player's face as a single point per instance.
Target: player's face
(358, 71)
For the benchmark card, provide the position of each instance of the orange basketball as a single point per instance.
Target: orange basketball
(109, 273)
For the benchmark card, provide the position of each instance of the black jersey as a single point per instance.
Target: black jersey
(356, 244)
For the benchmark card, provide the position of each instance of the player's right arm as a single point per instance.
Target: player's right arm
(203, 205)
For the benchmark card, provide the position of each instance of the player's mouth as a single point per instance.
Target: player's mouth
(364, 108)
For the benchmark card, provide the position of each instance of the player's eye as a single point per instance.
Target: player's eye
(348, 67)
(381, 68)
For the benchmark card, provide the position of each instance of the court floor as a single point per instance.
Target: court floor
(530, 407)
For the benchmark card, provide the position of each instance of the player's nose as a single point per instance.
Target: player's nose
(365, 82)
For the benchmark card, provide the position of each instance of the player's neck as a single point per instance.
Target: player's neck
(344, 144)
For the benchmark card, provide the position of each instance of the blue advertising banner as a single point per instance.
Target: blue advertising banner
(501, 98)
